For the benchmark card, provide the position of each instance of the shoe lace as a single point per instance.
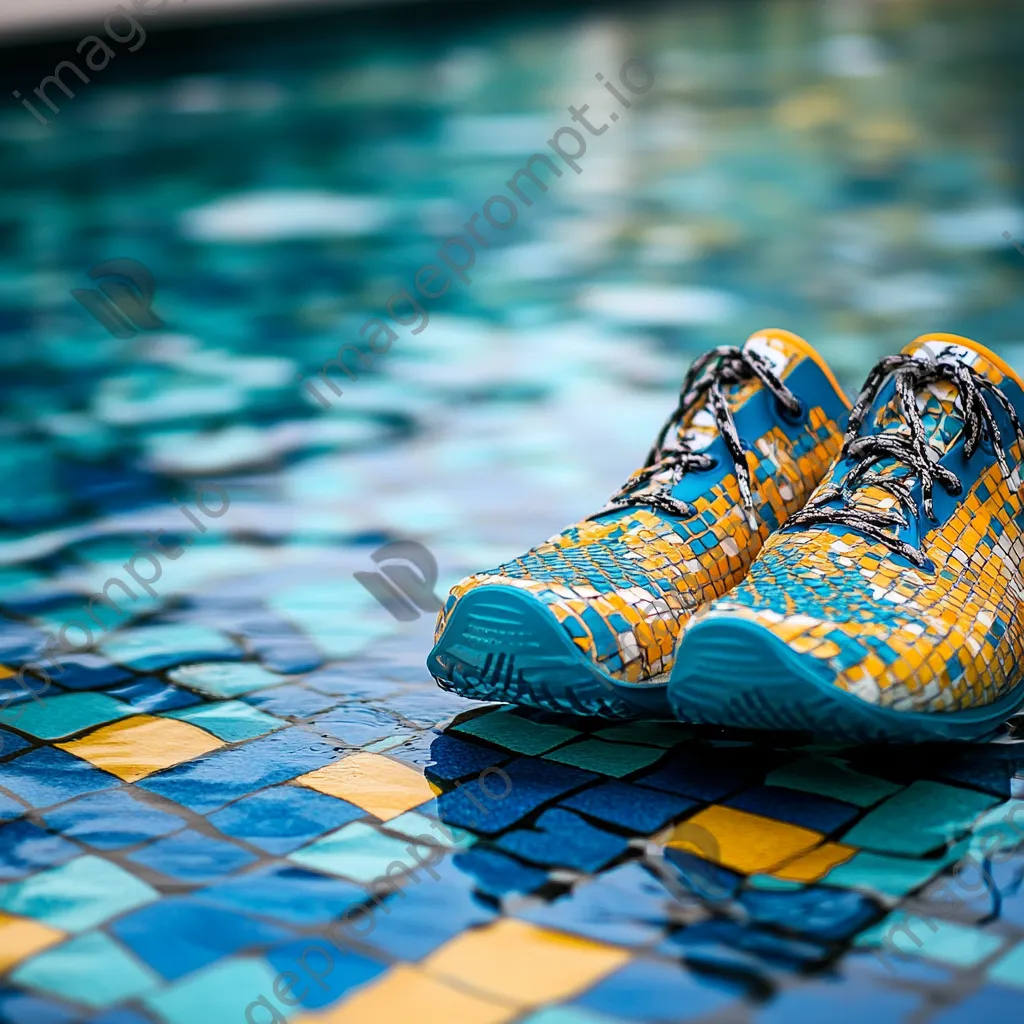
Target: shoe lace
(909, 447)
(707, 380)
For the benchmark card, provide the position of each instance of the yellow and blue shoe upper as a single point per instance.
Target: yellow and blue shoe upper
(754, 432)
(898, 588)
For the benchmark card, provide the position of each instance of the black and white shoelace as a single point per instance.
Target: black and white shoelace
(909, 447)
(709, 378)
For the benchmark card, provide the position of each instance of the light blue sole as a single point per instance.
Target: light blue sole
(732, 672)
(502, 644)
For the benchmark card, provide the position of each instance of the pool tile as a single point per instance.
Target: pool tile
(291, 701)
(379, 785)
(219, 778)
(832, 778)
(179, 934)
(912, 934)
(151, 696)
(819, 912)
(356, 725)
(559, 838)
(617, 803)
(709, 774)
(523, 965)
(1009, 968)
(748, 843)
(229, 720)
(90, 969)
(11, 743)
(110, 820)
(47, 776)
(891, 876)
(65, 714)
(325, 973)
(10, 809)
(505, 728)
(655, 734)
(90, 672)
(221, 992)
(283, 818)
(495, 874)
(852, 1002)
(154, 648)
(286, 893)
(222, 680)
(649, 990)
(419, 826)
(451, 758)
(17, 1007)
(616, 759)
(808, 810)
(24, 848)
(569, 1015)
(23, 937)
(406, 993)
(137, 747)
(359, 852)
(923, 817)
(992, 1003)
(190, 856)
(743, 948)
(524, 785)
(76, 896)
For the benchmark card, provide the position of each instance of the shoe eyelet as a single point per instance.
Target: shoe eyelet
(713, 463)
(795, 418)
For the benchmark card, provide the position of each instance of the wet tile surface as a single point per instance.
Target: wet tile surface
(244, 794)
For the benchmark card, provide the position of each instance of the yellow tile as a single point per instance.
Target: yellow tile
(136, 747)
(375, 783)
(810, 867)
(21, 937)
(745, 842)
(522, 964)
(5, 672)
(406, 994)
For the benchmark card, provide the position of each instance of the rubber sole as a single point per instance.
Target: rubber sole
(502, 644)
(732, 672)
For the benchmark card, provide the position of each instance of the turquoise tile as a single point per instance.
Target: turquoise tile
(1009, 969)
(616, 759)
(931, 937)
(415, 825)
(151, 648)
(1000, 829)
(230, 720)
(226, 679)
(359, 852)
(76, 896)
(891, 876)
(64, 714)
(655, 734)
(504, 728)
(923, 817)
(220, 993)
(827, 776)
(90, 969)
(569, 1015)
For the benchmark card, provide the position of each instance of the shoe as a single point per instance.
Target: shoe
(889, 607)
(588, 621)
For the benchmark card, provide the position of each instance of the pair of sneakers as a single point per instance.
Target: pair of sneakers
(783, 560)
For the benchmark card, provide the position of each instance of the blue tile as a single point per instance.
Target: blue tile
(534, 782)
(617, 803)
(852, 1002)
(293, 701)
(89, 672)
(111, 820)
(326, 973)
(807, 810)
(11, 743)
(824, 913)
(698, 877)
(559, 838)
(283, 818)
(212, 781)
(356, 724)
(151, 695)
(451, 758)
(647, 990)
(179, 934)
(993, 1003)
(19, 1008)
(49, 776)
(731, 946)
(425, 913)
(626, 906)
(289, 894)
(10, 808)
(162, 646)
(24, 848)
(230, 720)
(192, 857)
(710, 774)
(119, 1016)
(497, 875)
